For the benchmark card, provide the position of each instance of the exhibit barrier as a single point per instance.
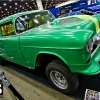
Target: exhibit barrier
(12, 91)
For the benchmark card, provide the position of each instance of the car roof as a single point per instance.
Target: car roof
(14, 16)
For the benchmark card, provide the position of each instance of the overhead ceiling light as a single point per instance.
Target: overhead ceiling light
(21, 0)
(10, 0)
(15, 8)
(26, 3)
(4, 4)
(5, 9)
(2, 11)
(10, 6)
(8, 12)
(15, 3)
(0, 7)
(20, 6)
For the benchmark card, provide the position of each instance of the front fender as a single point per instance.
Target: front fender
(68, 56)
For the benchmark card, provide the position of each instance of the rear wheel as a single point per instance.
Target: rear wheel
(61, 77)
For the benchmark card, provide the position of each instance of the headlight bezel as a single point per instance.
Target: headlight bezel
(89, 46)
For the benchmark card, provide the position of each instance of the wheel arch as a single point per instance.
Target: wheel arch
(55, 55)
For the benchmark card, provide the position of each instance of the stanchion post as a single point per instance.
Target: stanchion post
(12, 91)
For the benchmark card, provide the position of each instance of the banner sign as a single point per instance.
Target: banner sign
(74, 6)
(91, 5)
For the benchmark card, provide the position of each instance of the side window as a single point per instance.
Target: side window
(29, 21)
(7, 29)
(26, 22)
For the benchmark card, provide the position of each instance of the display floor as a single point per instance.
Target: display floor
(37, 86)
(27, 87)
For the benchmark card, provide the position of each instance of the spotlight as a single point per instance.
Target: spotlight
(4, 4)
(15, 3)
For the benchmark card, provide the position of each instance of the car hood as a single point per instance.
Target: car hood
(50, 37)
(84, 22)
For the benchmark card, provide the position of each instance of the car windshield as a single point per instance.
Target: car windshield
(29, 21)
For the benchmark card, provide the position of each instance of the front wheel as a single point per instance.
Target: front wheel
(61, 77)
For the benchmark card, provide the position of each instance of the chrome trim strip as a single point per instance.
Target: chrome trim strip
(95, 51)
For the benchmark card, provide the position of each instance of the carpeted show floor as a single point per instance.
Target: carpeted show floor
(86, 82)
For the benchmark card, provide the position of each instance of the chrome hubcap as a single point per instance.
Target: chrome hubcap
(58, 79)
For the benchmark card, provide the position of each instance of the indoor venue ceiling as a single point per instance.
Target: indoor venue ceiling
(9, 7)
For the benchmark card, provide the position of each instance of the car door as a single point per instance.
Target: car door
(10, 43)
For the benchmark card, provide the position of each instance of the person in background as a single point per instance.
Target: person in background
(63, 12)
(70, 13)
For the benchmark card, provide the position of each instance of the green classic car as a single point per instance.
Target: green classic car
(64, 46)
